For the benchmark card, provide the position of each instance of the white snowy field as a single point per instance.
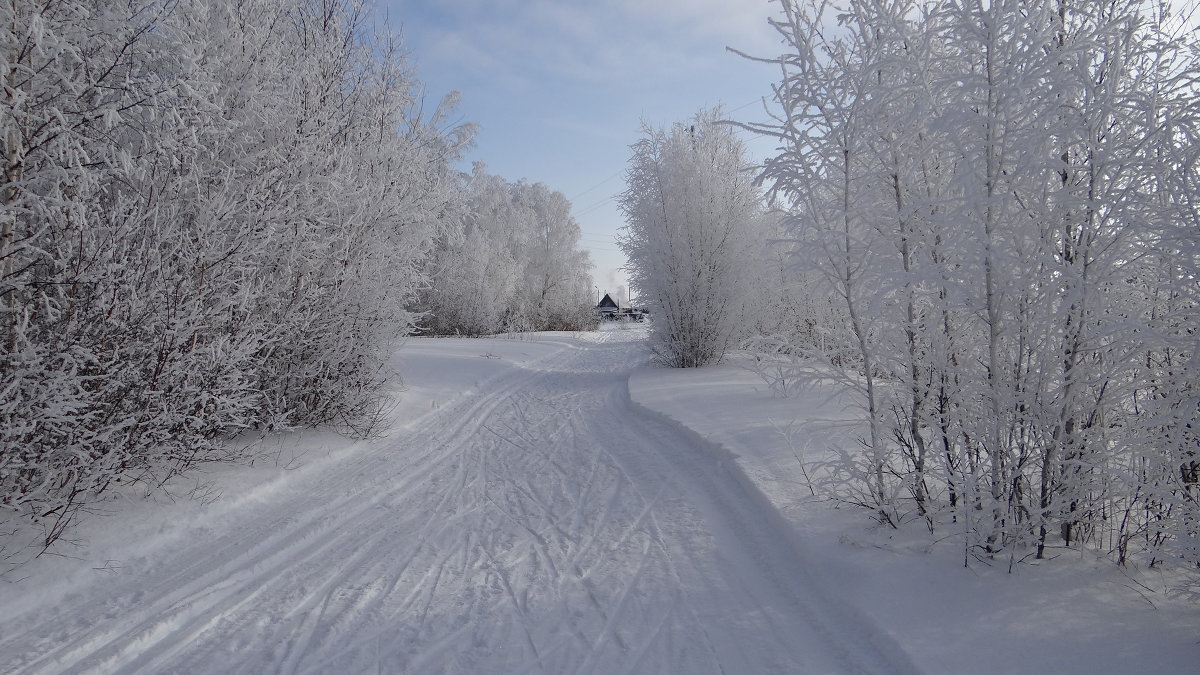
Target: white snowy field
(554, 504)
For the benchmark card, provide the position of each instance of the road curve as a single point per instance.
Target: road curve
(543, 524)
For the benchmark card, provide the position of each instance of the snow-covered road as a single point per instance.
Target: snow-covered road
(541, 523)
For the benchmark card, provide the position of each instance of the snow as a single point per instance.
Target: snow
(553, 503)
(1071, 614)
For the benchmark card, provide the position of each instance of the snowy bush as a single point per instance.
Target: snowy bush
(213, 217)
(689, 207)
(514, 266)
(1001, 197)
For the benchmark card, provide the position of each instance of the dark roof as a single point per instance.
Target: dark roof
(606, 302)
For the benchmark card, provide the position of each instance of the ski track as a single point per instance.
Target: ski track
(542, 525)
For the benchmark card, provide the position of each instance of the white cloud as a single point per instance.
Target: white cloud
(741, 24)
(599, 42)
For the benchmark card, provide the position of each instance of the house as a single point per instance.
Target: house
(607, 308)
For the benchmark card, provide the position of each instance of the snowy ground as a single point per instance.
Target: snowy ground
(555, 505)
(1070, 614)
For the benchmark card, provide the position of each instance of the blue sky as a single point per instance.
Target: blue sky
(559, 88)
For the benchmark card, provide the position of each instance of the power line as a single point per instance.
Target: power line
(593, 207)
(746, 105)
(597, 185)
(599, 203)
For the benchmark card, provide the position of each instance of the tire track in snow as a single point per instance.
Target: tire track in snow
(543, 524)
(246, 557)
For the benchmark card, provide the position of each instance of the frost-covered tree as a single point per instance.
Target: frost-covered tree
(212, 218)
(997, 194)
(556, 289)
(515, 264)
(690, 207)
(362, 180)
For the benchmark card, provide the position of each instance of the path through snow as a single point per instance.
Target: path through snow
(540, 524)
